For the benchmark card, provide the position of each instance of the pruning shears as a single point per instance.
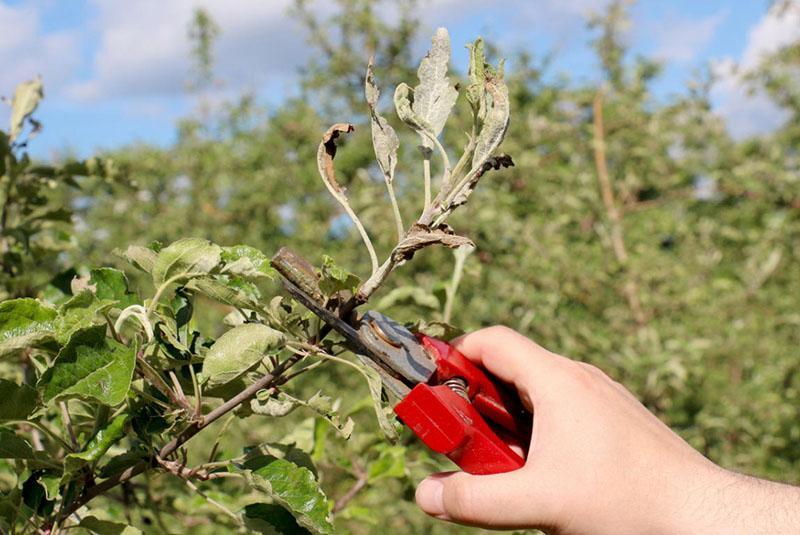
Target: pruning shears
(449, 403)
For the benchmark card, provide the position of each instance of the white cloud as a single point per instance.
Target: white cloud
(682, 40)
(25, 50)
(144, 50)
(746, 113)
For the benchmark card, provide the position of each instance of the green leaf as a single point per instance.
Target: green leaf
(106, 527)
(15, 447)
(229, 291)
(389, 464)
(375, 385)
(435, 95)
(112, 284)
(97, 446)
(79, 312)
(295, 488)
(185, 257)
(18, 401)
(271, 519)
(141, 257)
(334, 278)
(238, 350)
(25, 323)
(90, 366)
(23, 104)
(246, 261)
(405, 295)
(280, 404)
(403, 96)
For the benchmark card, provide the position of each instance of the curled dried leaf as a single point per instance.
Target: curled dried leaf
(421, 236)
(327, 152)
(495, 162)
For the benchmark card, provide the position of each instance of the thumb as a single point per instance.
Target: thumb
(496, 501)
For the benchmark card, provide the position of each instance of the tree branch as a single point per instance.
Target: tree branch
(630, 288)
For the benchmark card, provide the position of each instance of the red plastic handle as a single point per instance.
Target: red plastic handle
(452, 425)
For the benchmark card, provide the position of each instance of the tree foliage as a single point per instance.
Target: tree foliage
(631, 232)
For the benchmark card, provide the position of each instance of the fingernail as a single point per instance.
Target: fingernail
(429, 496)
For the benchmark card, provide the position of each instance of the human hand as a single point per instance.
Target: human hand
(599, 461)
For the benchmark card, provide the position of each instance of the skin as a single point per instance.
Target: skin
(599, 461)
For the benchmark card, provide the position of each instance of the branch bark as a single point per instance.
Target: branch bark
(630, 288)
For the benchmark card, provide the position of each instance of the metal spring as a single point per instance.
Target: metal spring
(458, 385)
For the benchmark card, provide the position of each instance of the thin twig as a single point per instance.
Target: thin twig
(458, 270)
(361, 482)
(630, 288)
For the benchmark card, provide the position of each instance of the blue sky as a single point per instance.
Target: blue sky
(115, 71)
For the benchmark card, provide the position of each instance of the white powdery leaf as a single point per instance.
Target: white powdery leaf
(435, 95)
(384, 138)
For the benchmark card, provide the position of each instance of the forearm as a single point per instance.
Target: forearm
(736, 503)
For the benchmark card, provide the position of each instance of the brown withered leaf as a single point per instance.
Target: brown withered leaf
(327, 152)
(421, 236)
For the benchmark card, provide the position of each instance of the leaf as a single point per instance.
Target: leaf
(246, 261)
(97, 446)
(18, 401)
(384, 139)
(375, 392)
(389, 464)
(295, 488)
(271, 519)
(409, 294)
(280, 404)
(403, 105)
(476, 94)
(112, 284)
(240, 349)
(327, 152)
(495, 124)
(79, 312)
(334, 278)
(185, 257)
(435, 96)
(90, 366)
(420, 236)
(141, 257)
(106, 527)
(437, 329)
(25, 323)
(223, 291)
(26, 98)
(15, 447)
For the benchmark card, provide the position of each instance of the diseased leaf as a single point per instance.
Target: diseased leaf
(375, 392)
(246, 261)
(24, 102)
(185, 257)
(327, 152)
(90, 366)
(403, 97)
(437, 329)
(271, 519)
(384, 139)
(141, 257)
(476, 94)
(276, 405)
(435, 95)
(421, 236)
(25, 323)
(16, 401)
(280, 404)
(295, 488)
(238, 350)
(106, 527)
(96, 448)
(496, 122)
